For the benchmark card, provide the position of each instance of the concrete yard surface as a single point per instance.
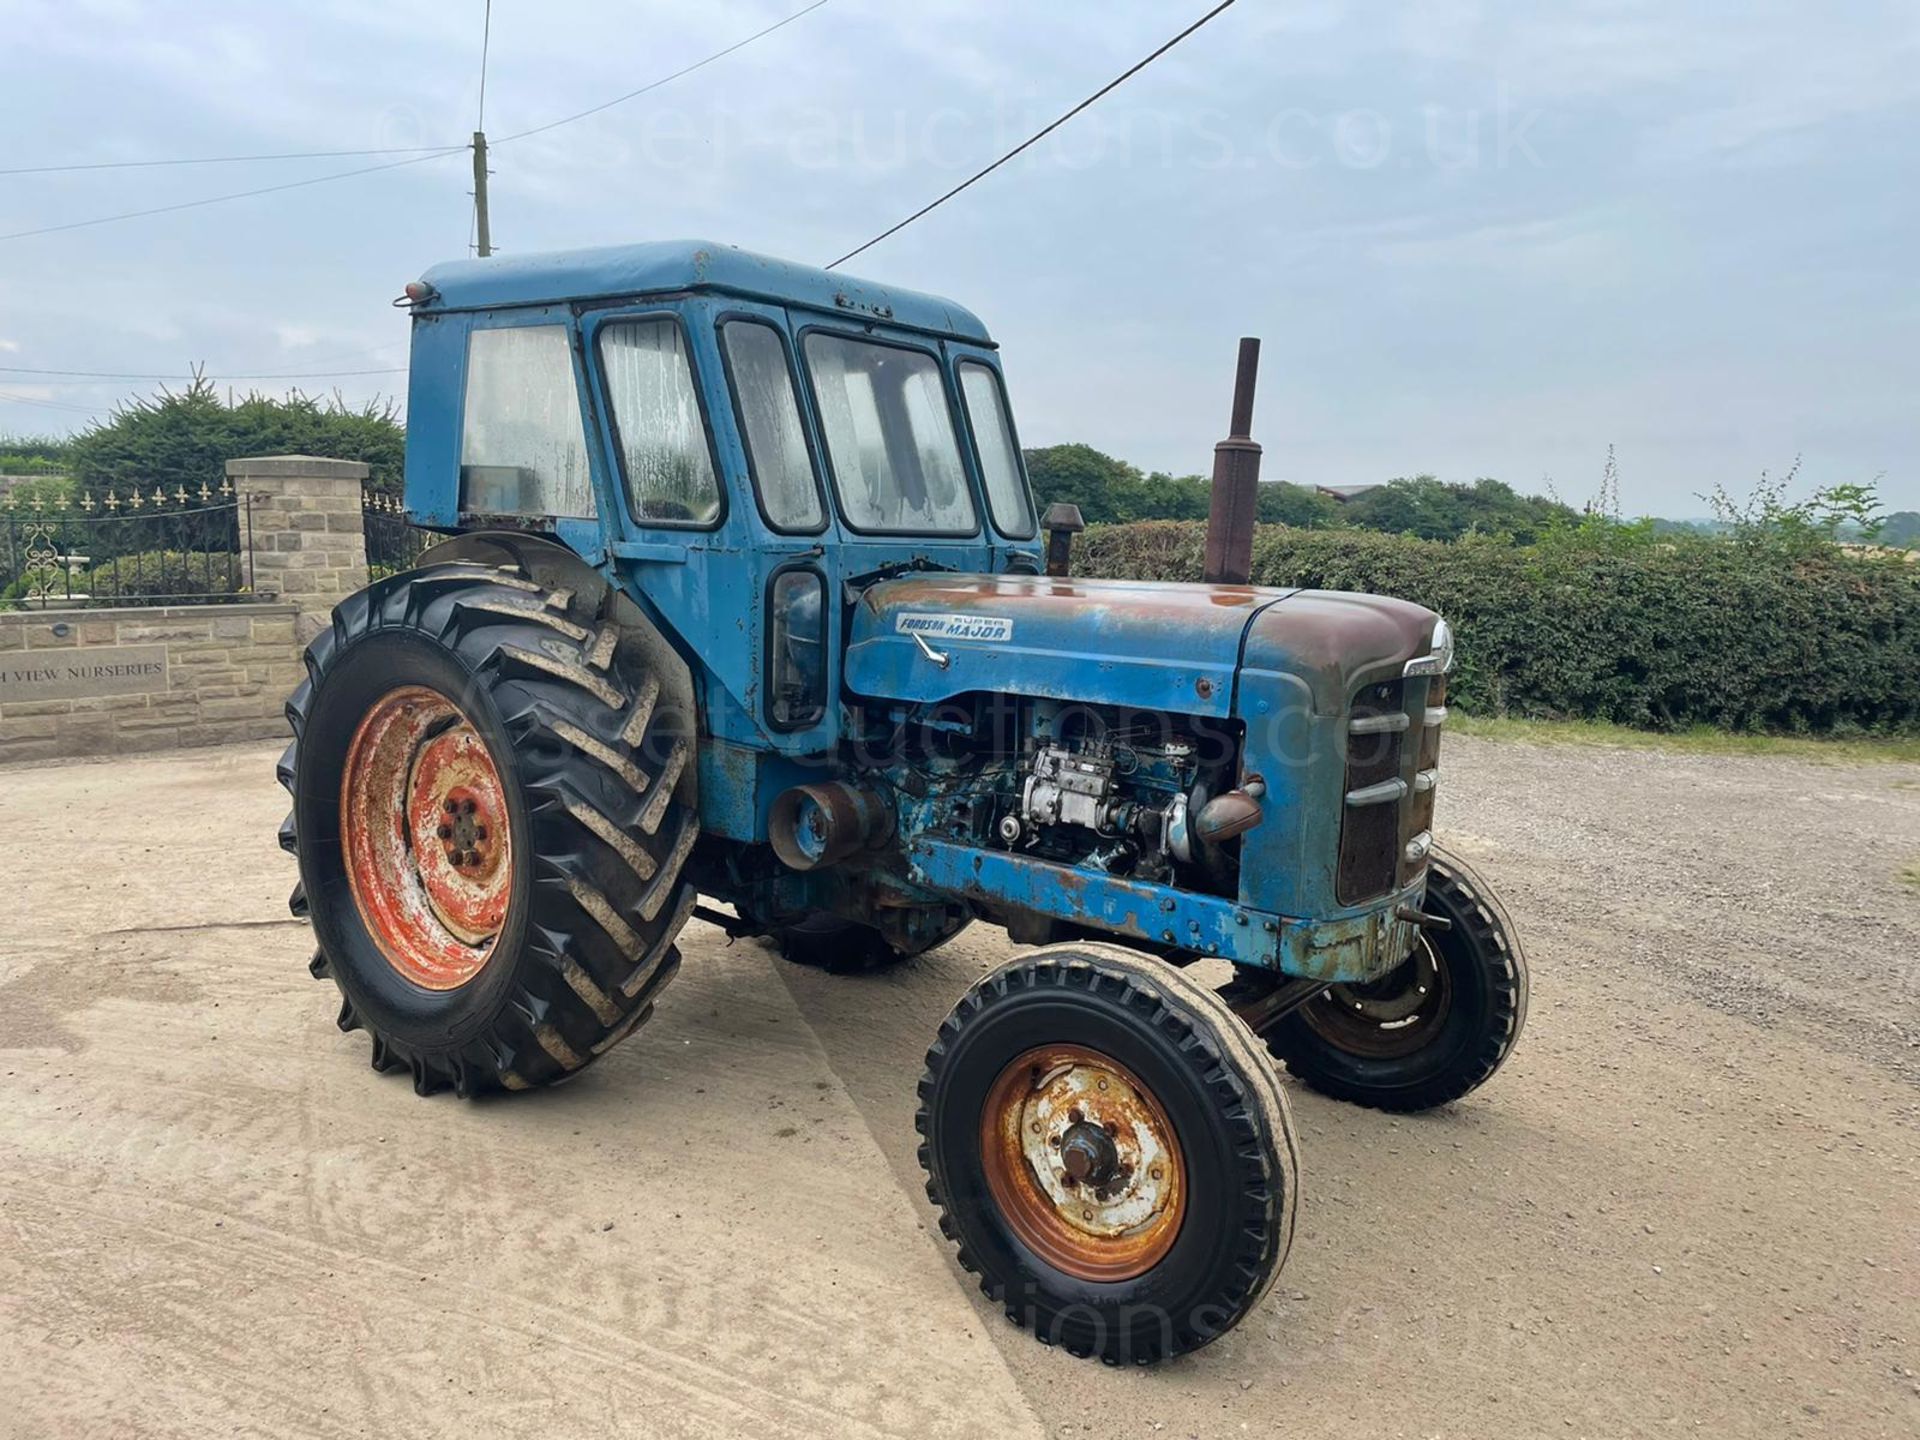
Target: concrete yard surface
(1689, 1205)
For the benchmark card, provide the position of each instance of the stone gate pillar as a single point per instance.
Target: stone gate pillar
(309, 544)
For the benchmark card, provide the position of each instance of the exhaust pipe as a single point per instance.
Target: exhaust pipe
(1236, 482)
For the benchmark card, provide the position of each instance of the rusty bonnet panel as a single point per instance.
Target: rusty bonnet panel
(1336, 641)
(1165, 647)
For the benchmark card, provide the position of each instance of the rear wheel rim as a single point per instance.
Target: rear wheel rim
(1082, 1163)
(426, 838)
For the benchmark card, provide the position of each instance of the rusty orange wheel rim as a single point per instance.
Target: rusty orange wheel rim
(1082, 1163)
(423, 817)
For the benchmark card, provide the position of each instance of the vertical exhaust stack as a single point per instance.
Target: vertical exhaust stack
(1236, 481)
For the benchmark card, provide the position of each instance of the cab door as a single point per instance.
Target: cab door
(775, 469)
(717, 526)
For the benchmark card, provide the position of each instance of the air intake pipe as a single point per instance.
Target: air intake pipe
(812, 826)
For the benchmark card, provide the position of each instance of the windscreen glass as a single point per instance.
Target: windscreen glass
(890, 438)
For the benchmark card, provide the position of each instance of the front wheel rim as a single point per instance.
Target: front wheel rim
(426, 838)
(1082, 1163)
(1389, 1018)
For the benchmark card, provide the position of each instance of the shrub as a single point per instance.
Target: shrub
(149, 573)
(1662, 632)
(146, 575)
(186, 438)
(33, 455)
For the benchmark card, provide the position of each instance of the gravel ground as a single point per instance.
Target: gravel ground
(1690, 1202)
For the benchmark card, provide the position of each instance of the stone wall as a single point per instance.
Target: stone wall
(309, 536)
(104, 682)
(98, 682)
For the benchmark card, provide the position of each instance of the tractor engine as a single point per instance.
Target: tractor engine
(1102, 789)
(1117, 806)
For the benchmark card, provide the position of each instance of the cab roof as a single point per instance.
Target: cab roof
(667, 266)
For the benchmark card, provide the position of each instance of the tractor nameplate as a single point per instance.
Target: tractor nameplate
(993, 629)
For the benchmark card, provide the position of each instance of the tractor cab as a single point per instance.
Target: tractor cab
(733, 438)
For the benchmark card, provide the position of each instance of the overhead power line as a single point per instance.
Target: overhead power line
(417, 158)
(481, 228)
(78, 376)
(1034, 138)
(220, 160)
(486, 43)
(236, 195)
(663, 80)
(12, 399)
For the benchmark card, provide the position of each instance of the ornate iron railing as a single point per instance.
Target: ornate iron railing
(144, 545)
(393, 541)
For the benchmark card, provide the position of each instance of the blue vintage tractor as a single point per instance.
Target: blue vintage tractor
(743, 596)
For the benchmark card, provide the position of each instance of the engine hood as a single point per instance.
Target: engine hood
(1144, 644)
(1335, 641)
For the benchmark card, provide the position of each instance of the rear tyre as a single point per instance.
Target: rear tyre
(485, 816)
(1432, 1030)
(1110, 1149)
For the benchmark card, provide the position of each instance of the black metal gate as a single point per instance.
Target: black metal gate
(144, 546)
(393, 541)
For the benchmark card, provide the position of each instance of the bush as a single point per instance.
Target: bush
(51, 494)
(33, 455)
(1661, 632)
(151, 573)
(186, 438)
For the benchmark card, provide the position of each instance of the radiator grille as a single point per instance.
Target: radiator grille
(1370, 842)
(1420, 812)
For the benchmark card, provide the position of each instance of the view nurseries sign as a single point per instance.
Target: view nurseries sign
(75, 674)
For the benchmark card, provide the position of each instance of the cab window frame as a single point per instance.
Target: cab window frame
(603, 389)
(770, 663)
(800, 405)
(535, 318)
(961, 363)
(954, 418)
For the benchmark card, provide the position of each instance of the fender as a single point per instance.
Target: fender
(558, 568)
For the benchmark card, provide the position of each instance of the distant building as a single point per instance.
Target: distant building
(1344, 493)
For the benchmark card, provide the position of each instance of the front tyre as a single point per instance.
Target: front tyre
(1430, 1031)
(484, 811)
(1110, 1150)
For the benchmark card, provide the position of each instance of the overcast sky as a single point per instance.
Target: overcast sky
(1476, 239)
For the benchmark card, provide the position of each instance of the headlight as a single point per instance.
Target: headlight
(1439, 659)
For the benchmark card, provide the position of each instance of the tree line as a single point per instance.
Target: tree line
(1110, 491)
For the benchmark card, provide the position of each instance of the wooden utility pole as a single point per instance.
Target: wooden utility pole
(483, 235)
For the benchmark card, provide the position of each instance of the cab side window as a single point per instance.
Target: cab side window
(770, 423)
(999, 456)
(523, 449)
(660, 432)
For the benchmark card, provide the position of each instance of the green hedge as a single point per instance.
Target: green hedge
(1664, 634)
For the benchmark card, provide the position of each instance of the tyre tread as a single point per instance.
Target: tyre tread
(599, 946)
(1473, 905)
(1225, 1056)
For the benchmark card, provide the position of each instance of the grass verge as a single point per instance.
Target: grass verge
(1701, 741)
